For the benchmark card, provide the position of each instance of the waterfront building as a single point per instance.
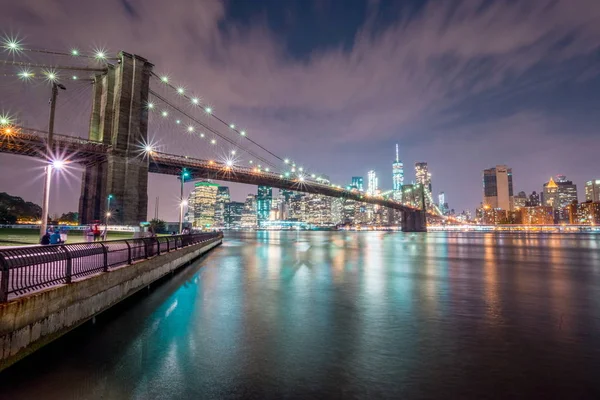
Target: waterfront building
(349, 211)
(498, 188)
(205, 198)
(567, 194)
(233, 215)
(592, 190)
(189, 214)
(537, 215)
(318, 210)
(297, 207)
(397, 177)
(248, 220)
(263, 204)
(520, 200)
(358, 183)
(372, 183)
(223, 198)
(337, 211)
(587, 213)
(534, 200)
(550, 194)
(443, 204)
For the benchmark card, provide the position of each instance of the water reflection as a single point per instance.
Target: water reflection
(332, 314)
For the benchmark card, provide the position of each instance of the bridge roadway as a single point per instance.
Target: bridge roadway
(32, 143)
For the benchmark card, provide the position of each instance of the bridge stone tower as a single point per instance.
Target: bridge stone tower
(120, 119)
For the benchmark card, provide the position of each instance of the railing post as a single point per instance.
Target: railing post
(105, 253)
(145, 248)
(157, 245)
(69, 268)
(129, 260)
(168, 247)
(4, 276)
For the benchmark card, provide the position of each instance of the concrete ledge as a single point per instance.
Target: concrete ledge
(28, 323)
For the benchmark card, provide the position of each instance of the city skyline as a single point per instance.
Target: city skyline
(489, 112)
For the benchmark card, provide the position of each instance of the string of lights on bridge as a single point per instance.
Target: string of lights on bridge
(52, 74)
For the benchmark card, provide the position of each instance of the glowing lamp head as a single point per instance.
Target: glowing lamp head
(229, 163)
(184, 203)
(148, 149)
(110, 196)
(233, 152)
(190, 129)
(74, 52)
(208, 110)
(58, 164)
(74, 77)
(180, 90)
(213, 141)
(164, 113)
(4, 121)
(301, 178)
(165, 79)
(232, 126)
(12, 45)
(286, 161)
(150, 106)
(267, 169)
(51, 76)
(202, 135)
(243, 133)
(195, 100)
(251, 161)
(100, 55)
(178, 122)
(108, 214)
(300, 169)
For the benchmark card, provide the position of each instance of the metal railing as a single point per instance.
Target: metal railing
(27, 269)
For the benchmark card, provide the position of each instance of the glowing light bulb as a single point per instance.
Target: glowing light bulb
(286, 161)
(233, 152)
(300, 169)
(74, 52)
(251, 161)
(51, 76)
(58, 164)
(232, 126)
(213, 141)
(164, 113)
(4, 121)
(190, 128)
(243, 133)
(100, 55)
(150, 106)
(312, 176)
(301, 179)
(208, 110)
(165, 79)
(195, 100)
(148, 149)
(178, 121)
(229, 163)
(202, 135)
(180, 90)
(74, 77)
(267, 169)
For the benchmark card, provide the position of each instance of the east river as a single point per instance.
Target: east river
(345, 315)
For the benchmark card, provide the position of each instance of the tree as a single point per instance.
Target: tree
(158, 225)
(14, 208)
(70, 217)
(6, 217)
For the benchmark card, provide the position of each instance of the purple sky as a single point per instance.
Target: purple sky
(463, 85)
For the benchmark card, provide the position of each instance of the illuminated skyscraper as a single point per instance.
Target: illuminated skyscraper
(397, 177)
(233, 215)
(423, 177)
(249, 212)
(498, 188)
(263, 204)
(592, 190)
(358, 182)
(372, 182)
(222, 199)
(205, 198)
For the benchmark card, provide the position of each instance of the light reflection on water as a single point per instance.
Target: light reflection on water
(346, 314)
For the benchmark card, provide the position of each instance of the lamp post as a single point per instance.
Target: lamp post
(57, 164)
(107, 215)
(184, 174)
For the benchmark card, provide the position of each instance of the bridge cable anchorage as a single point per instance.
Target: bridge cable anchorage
(167, 83)
(212, 130)
(54, 67)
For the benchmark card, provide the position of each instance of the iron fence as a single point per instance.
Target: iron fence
(26, 269)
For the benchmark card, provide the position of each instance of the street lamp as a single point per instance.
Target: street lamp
(184, 174)
(56, 164)
(108, 214)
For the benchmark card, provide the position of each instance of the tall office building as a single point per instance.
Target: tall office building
(263, 204)
(423, 177)
(223, 198)
(567, 194)
(205, 198)
(249, 212)
(233, 215)
(189, 214)
(397, 177)
(358, 183)
(372, 183)
(534, 200)
(442, 203)
(498, 188)
(318, 209)
(592, 190)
